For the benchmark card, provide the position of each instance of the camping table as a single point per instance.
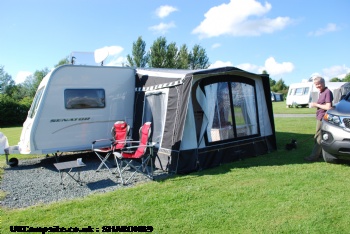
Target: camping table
(67, 167)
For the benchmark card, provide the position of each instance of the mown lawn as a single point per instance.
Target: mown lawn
(273, 193)
(281, 108)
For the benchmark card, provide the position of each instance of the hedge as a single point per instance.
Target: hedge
(12, 112)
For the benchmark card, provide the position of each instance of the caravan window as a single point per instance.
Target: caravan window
(232, 110)
(299, 91)
(291, 92)
(35, 103)
(84, 98)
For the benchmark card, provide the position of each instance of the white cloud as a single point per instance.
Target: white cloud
(107, 53)
(113, 50)
(272, 67)
(250, 67)
(162, 27)
(216, 45)
(321, 31)
(239, 18)
(21, 76)
(220, 64)
(339, 71)
(116, 61)
(276, 69)
(164, 11)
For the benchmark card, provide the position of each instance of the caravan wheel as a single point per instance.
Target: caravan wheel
(13, 162)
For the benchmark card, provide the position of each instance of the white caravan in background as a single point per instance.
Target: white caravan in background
(301, 94)
(75, 105)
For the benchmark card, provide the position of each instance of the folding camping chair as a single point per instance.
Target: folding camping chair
(136, 157)
(120, 131)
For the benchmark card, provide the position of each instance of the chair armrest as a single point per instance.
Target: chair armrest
(101, 140)
(137, 146)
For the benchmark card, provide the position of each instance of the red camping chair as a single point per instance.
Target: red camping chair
(137, 157)
(120, 131)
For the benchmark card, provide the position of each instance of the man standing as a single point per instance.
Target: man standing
(323, 104)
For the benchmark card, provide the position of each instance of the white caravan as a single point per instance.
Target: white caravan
(300, 94)
(75, 105)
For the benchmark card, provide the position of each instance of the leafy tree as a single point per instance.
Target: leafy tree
(198, 58)
(6, 82)
(172, 56)
(18, 92)
(139, 56)
(164, 55)
(347, 78)
(158, 53)
(63, 62)
(335, 79)
(183, 58)
(32, 82)
(13, 112)
(279, 86)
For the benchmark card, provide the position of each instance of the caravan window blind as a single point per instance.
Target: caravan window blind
(84, 98)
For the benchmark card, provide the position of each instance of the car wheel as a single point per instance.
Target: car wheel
(328, 157)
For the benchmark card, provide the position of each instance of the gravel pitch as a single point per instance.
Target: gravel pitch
(37, 181)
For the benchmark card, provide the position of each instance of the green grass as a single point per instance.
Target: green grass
(273, 193)
(281, 108)
(12, 134)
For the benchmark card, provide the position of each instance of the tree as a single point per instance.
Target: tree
(158, 53)
(6, 82)
(347, 78)
(335, 79)
(183, 58)
(279, 86)
(164, 55)
(63, 61)
(32, 82)
(198, 58)
(139, 56)
(272, 82)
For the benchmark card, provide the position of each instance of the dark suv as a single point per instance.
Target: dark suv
(336, 132)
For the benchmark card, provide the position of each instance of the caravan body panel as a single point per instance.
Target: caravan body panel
(76, 105)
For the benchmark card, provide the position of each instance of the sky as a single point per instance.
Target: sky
(292, 40)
